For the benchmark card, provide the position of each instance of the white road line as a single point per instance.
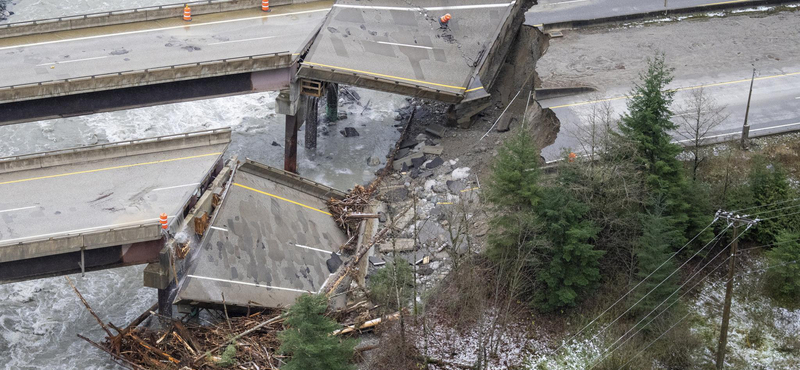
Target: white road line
(797, 98)
(563, 2)
(406, 45)
(18, 209)
(250, 284)
(313, 249)
(165, 28)
(231, 42)
(737, 133)
(323, 283)
(455, 7)
(79, 231)
(70, 61)
(177, 186)
(219, 228)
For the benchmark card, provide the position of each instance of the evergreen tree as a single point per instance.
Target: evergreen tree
(771, 193)
(307, 337)
(655, 247)
(513, 189)
(783, 280)
(572, 263)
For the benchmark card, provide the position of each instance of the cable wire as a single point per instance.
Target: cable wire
(666, 299)
(772, 218)
(765, 205)
(716, 218)
(662, 281)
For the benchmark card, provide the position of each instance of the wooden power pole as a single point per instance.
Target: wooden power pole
(737, 221)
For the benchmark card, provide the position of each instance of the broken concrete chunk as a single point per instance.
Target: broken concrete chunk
(401, 245)
(408, 143)
(396, 195)
(433, 150)
(417, 162)
(373, 161)
(333, 263)
(456, 186)
(275, 143)
(399, 163)
(436, 162)
(401, 153)
(376, 261)
(435, 130)
(349, 132)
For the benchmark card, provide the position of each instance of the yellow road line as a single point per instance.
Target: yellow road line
(470, 189)
(726, 2)
(386, 76)
(110, 168)
(281, 198)
(680, 89)
(475, 89)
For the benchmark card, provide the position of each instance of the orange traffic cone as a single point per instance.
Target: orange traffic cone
(163, 221)
(187, 13)
(265, 5)
(443, 20)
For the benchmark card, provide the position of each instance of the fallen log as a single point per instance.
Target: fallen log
(366, 325)
(129, 364)
(89, 308)
(235, 338)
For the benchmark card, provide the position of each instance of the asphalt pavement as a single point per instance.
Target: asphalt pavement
(775, 106)
(553, 11)
(144, 45)
(100, 195)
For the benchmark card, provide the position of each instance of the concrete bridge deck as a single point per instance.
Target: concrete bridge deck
(271, 241)
(396, 47)
(104, 201)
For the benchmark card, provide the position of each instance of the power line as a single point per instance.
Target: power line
(685, 316)
(716, 218)
(772, 218)
(662, 282)
(776, 210)
(765, 205)
(769, 245)
(665, 300)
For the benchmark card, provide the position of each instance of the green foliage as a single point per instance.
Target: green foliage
(648, 125)
(392, 280)
(770, 190)
(228, 356)
(783, 280)
(572, 263)
(515, 173)
(513, 189)
(307, 337)
(655, 247)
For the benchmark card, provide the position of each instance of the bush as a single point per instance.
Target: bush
(393, 279)
(783, 280)
(308, 338)
(770, 191)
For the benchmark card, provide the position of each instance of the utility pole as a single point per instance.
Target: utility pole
(737, 221)
(746, 128)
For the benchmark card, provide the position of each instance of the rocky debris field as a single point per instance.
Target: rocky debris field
(605, 57)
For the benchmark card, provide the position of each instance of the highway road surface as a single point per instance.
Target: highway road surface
(775, 106)
(100, 195)
(553, 11)
(138, 46)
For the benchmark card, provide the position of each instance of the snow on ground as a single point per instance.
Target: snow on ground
(761, 336)
(577, 355)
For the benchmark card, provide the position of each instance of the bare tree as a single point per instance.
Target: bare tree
(594, 134)
(701, 115)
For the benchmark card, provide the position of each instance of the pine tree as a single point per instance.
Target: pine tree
(307, 337)
(783, 280)
(771, 193)
(655, 247)
(513, 189)
(572, 266)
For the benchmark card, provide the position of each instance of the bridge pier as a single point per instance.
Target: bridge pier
(290, 143)
(332, 106)
(312, 121)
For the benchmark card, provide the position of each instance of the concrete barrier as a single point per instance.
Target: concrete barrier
(149, 76)
(661, 13)
(114, 150)
(558, 92)
(132, 16)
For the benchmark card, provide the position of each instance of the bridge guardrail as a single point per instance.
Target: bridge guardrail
(115, 150)
(131, 16)
(149, 76)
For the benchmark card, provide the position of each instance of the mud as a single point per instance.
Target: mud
(612, 57)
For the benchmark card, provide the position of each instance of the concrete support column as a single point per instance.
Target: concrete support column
(312, 120)
(164, 301)
(290, 155)
(332, 106)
